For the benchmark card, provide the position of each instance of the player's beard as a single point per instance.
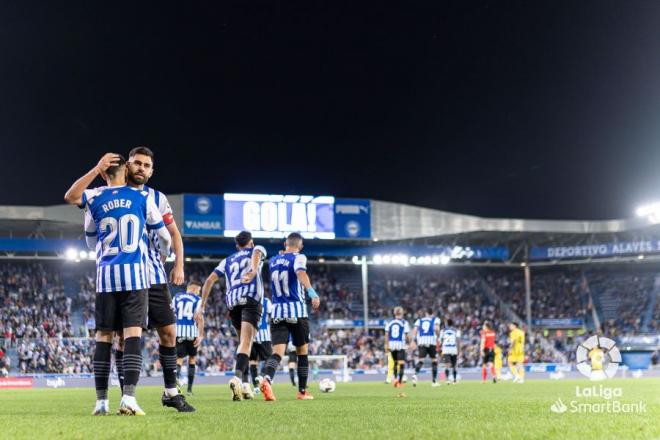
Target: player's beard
(136, 180)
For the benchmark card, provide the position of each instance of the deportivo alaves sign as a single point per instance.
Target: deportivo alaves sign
(596, 250)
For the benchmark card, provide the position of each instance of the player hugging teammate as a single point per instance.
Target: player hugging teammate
(120, 237)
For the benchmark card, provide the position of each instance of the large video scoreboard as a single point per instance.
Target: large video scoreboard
(276, 215)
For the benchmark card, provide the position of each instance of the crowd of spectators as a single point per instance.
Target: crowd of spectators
(33, 301)
(55, 355)
(630, 295)
(36, 316)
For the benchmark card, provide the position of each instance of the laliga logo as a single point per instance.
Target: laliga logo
(558, 407)
(203, 205)
(598, 358)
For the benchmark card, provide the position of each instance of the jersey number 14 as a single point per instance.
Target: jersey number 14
(184, 310)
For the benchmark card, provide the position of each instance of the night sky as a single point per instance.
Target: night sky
(495, 108)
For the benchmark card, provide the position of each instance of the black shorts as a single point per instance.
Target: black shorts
(398, 355)
(293, 357)
(489, 355)
(160, 311)
(261, 351)
(427, 350)
(450, 359)
(185, 347)
(298, 329)
(248, 312)
(118, 310)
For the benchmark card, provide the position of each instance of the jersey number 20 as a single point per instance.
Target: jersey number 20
(128, 230)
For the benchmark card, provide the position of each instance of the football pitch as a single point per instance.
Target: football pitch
(359, 411)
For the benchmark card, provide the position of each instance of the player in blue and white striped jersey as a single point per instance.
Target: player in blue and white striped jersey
(290, 287)
(449, 338)
(244, 292)
(397, 337)
(261, 347)
(160, 315)
(189, 330)
(425, 334)
(121, 215)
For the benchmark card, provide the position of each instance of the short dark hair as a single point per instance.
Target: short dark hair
(243, 238)
(194, 283)
(450, 322)
(112, 171)
(488, 324)
(515, 323)
(429, 311)
(294, 236)
(146, 151)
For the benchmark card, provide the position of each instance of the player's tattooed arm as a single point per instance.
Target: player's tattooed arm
(74, 195)
(206, 289)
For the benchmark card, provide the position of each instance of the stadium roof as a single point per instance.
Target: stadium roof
(390, 222)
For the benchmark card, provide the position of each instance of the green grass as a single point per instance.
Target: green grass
(355, 411)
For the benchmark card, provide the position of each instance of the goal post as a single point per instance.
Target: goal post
(326, 365)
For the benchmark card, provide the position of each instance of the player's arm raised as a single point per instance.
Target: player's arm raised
(74, 195)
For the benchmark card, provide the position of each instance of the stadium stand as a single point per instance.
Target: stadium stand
(37, 322)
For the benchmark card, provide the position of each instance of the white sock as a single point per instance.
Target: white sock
(171, 392)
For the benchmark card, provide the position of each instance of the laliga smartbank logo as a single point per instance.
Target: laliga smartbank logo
(598, 358)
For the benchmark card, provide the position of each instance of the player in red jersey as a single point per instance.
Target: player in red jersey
(488, 351)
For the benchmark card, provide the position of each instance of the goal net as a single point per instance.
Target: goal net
(322, 366)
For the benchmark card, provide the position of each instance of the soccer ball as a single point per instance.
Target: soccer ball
(327, 385)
